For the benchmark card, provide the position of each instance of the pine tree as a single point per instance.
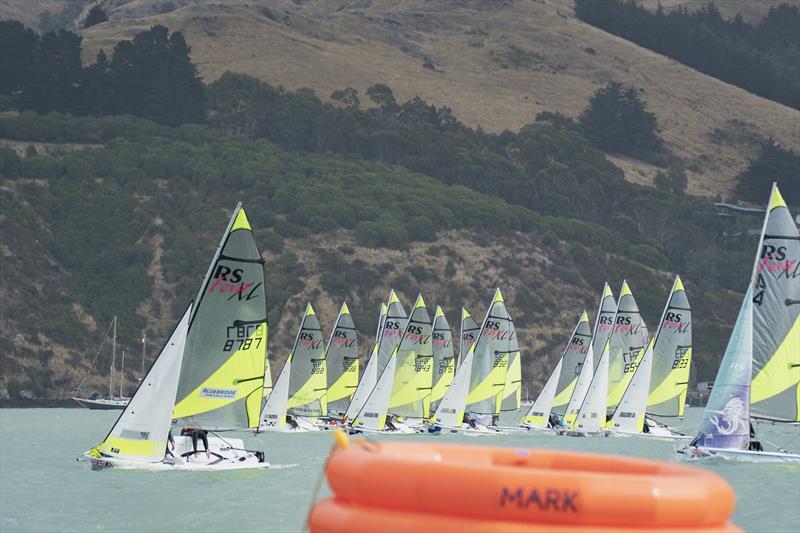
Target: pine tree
(96, 15)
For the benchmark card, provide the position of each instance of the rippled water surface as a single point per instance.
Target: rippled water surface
(43, 488)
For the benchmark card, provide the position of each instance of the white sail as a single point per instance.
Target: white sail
(592, 414)
(581, 388)
(450, 411)
(140, 433)
(629, 414)
(274, 413)
(373, 415)
(369, 378)
(539, 413)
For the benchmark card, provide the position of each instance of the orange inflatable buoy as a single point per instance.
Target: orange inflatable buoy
(414, 486)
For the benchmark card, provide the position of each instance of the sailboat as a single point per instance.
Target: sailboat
(341, 358)
(299, 395)
(603, 326)
(110, 402)
(759, 376)
(614, 370)
(480, 381)
(558, 389)
(401, 398)
(662, 373)
(208, 376)
(392, 317)
(444, 360)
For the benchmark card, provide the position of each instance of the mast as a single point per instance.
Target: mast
(113, 358)
(144, 345)
(121, 373)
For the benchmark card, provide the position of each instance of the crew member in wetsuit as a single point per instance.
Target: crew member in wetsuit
(553, 421)
(754, 446)
(197, 434)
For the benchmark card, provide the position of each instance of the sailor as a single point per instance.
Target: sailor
(197, 434)
(754, 446)
(554, 421)
(170, 444)
(390, 423)
(292, 422)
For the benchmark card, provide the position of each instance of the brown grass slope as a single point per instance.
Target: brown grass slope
(497, 64)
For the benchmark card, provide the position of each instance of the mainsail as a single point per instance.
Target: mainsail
(444, 367)
(539, 413)
(222, 375)
(413, 377)
(341, 361)
(369, 378)
(626, 345)
(581, 389)
(450, 411)
(672, 356)
(140, 432)
(591, 415)
(726, 420)
(274, 412)
(603, 322)
(393, 326)
(629, 413)
(469, 332)
(496, 342)
(307, 379)
(571, 362)
(775, 392)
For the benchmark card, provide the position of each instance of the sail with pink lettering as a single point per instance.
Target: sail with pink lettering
(341, 360)
(775, 393)
(222, 376)
(308, 377)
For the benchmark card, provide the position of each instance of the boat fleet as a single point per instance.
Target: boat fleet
(614, 378)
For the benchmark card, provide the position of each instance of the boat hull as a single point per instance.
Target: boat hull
(223, 454)
(694, 453)
(103, 404)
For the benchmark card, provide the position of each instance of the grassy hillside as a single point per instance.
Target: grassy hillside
(127, 226)
(495, 64)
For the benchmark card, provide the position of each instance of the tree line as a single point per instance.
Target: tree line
(763, 58)
(150, 75)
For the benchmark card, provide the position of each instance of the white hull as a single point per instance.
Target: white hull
(466, 429)
(694, 453)
(540, 430)
(103, 404)
(304, 425)
(663, 435)
(400, 429)
(224, 454)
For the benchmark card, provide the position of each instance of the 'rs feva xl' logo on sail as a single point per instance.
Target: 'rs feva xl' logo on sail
(229, 281)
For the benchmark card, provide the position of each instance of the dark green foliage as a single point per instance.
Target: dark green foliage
(616, 121)
(149, 76)
(763, 59)
(773, 163)
(9, 163)
(96, 15)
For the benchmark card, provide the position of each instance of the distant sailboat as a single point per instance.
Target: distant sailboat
(603, 325)
(110, 402)
(559, 387)
(210, 374)
(404, 387)
(300, 398)
(759, 376)
(390, 331)
(341, 358)
(469, 333)
(480, 383)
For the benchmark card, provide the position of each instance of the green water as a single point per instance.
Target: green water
(43, 488)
